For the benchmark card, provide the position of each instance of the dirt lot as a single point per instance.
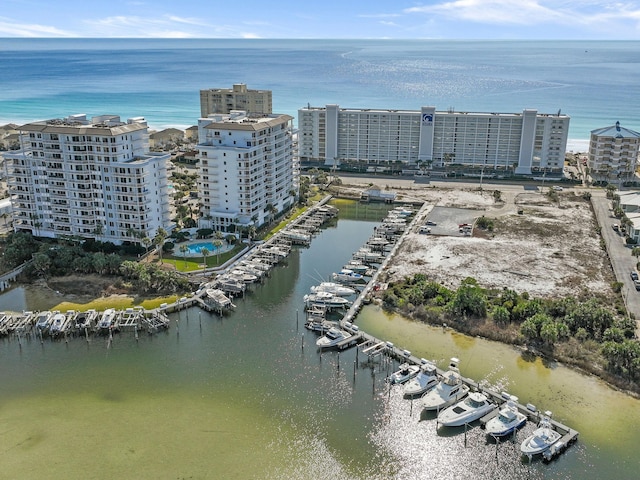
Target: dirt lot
(551, 249)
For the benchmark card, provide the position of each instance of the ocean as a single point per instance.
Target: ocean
(595, 83)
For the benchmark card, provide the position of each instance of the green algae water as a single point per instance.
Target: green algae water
(248, 396)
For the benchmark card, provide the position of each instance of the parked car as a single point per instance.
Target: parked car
(429, 222)
(557, 188)
(615, 227)
(634, 275)
(636, 283)
(425, 229)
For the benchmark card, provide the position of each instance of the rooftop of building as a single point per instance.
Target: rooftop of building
(615, 131)
(239, 120)
(449, 111)
(79, 124)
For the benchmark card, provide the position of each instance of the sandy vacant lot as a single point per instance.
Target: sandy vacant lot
(551, 249)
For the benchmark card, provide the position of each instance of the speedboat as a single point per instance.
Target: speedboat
(108, 319)
(333, 337)
(426, 379)
(475, 406)
(541, 439)
(43, 320)
(334, 288)
(325, 299)
(449, 390)
(346, 275)
(58, 323)
(509, 418)
(405, 372)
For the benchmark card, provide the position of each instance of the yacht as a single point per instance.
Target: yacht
(334, 288)
(541, 439)
(357, 267)
(475, 406)
(426, 379)
(449, 390)
(346, 275)
(405, 372)
(509, 418)
(325, 299)
(333, 337)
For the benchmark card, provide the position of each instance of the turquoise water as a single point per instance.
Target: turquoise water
(195, 249)
(595, 83)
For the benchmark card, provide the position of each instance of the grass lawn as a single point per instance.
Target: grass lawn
(192, 264)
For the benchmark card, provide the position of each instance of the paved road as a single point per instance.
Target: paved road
(620, 256)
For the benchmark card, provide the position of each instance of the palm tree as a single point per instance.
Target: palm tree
(205, 253)
(158, 241)
(218, 243)
(183, 250)
(146, 241)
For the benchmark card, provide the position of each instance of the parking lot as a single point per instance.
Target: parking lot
(447, 220)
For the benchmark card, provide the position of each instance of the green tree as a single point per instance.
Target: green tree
(158, 241)
(501, 315)
(205, 253)
(218, 243)
(183, 250)
(41, 264)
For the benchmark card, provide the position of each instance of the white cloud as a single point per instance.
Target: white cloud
(11, 28)
(536, 12)
(493, 11)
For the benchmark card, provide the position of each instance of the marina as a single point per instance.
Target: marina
(385, 352)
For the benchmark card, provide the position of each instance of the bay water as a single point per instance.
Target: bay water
(248, 395)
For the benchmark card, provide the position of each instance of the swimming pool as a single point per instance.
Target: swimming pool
(195, 249)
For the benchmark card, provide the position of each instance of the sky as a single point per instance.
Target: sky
(366, 19)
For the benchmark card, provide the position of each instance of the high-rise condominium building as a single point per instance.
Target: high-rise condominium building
(246, 169)
(521, 143)
(88, 178)
(613, 154)
(224, 100)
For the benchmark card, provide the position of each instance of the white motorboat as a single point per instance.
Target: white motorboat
(426, 379)
(43, 320)
(334, 288)
(449, 390)
(357, 267)
(475, 406)
(243, 275)
(325, 299)
(368, 256)
(509, 418)
(541, 439)
(405, 372)
(346, 275)
(108, 319)
(58, 323)
(333, 337)
(218, 298)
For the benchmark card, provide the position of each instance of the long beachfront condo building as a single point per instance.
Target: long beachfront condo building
(88, 178)
(247, 170)
(520, 143)
(239, 97)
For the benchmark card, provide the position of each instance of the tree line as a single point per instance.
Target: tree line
(543, 323)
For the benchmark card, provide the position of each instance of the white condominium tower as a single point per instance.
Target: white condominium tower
(88, 178)
(613, 154)
(520, 143)
(239, 97)
(246, 169)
